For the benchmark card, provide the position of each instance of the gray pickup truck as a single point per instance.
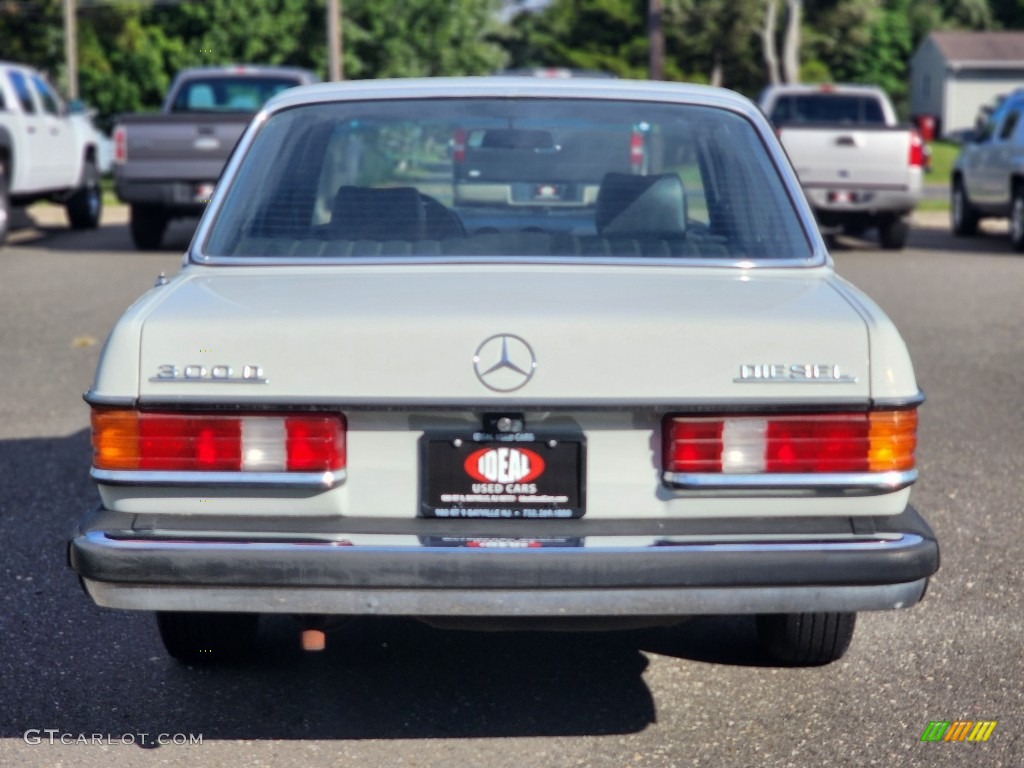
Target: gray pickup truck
(988, 176)
(859, 168)
(167, 164)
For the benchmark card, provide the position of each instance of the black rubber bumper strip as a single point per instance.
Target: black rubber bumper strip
(143, 560)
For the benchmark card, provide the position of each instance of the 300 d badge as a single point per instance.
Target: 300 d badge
(249, 374)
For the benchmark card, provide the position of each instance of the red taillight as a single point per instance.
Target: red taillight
(694, 445)
(916, 153)
(817, 444)
(459, 146)
(877, 441)
(120, 145)
(175, 442)
(313, 444)
(636, 151)
(194, 443)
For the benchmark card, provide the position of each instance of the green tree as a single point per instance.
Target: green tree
(125, 64)
(705, 40)
(1008, 13)
(605, 35)
(33, 33)
(217, 32)
(422, 38)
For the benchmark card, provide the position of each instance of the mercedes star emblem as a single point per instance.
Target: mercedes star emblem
(504, 362)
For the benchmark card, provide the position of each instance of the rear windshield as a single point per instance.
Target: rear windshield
(827, 108)
(228, 94)
(514, 177)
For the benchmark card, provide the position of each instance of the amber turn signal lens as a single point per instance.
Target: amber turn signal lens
(115, 439)
(892, 440)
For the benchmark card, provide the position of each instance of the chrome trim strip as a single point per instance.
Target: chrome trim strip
(607, 261)
(112, 401)
(751, 406)
(885, 403)
(842, 483)
(509, 603)
(138, 540)
(313, 480)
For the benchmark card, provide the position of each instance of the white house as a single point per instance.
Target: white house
(953, 74)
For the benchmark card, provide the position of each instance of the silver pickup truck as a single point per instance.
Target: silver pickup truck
(859, 168)
(167, 164)
(988, 176)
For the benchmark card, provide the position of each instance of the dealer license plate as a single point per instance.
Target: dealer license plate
(503, 479)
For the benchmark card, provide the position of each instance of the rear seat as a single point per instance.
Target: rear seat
(636, 217)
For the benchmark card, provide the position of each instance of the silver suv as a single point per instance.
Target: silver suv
(988, 176)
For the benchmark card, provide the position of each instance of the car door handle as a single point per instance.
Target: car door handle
(31, 129)
(55, 131)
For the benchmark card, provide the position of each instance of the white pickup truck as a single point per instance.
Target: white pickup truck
(45, 152)
(859, 168)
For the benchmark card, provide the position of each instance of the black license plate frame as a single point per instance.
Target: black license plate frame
(487, 476)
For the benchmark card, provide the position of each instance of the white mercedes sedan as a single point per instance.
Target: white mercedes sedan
(501, 352)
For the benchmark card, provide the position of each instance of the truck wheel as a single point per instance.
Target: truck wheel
(5, 204)
(208, 638)
(963, 215)
(893, 233)
(86, 204)
(805, 639)
(1017, 218)
(148, 223)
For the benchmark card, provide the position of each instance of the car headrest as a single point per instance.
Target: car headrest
(641, 205)
(388, 213)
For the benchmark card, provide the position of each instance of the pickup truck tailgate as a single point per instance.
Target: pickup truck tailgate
(854, 156)
(179, 146)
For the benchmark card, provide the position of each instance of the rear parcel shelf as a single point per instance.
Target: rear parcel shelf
(491, 245)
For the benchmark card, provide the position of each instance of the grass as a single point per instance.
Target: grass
(107, 186)
(933, 205)
(943, 156)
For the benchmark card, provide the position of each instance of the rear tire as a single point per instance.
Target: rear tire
(893, 233)
(1017, 218)
(148, 223)
(805, 639)
(208, 638)
(963, 216)
(86, 204)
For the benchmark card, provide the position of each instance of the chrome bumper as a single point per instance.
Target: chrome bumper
(657, 568)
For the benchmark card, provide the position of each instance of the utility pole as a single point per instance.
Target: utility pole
(71, 48)
(335, 66)
(655, 41)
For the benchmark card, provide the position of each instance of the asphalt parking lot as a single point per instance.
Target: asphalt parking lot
(395, 693)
